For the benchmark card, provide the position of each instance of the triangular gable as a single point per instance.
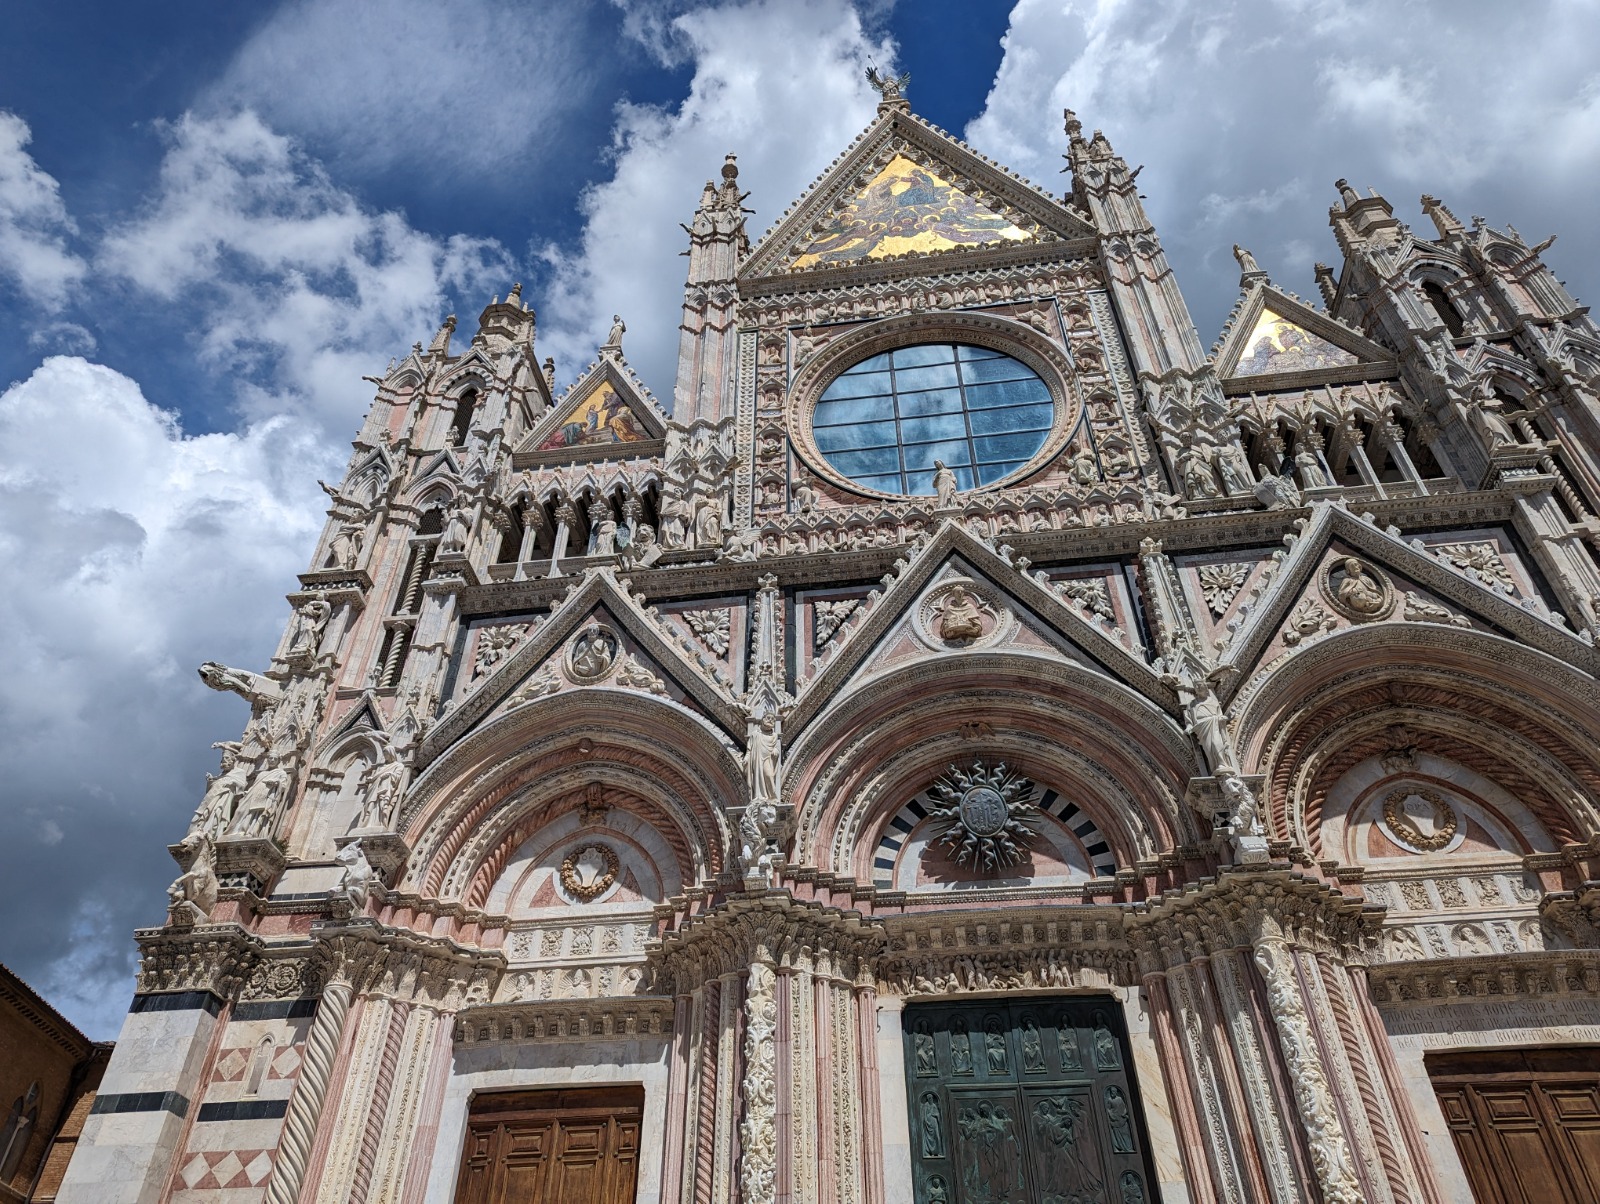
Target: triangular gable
(598, 598)
(607, 414)
(363, 716)
(1045, 618)
(1274, 338)
(1296, 610)
(906, 188)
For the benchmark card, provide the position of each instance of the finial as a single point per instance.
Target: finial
(516, 291)
(730, 167)
(1326, 284)
(1074, 127)
(550, 372)
(1346, 193)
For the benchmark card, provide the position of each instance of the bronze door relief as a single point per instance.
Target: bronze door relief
(1024, 1102)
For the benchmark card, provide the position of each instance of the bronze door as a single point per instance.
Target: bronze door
(573, 1146)
(1028, 1102)
(1526, 1123)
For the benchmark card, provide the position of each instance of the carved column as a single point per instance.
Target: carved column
(758, 1129)
(1325, 1136)
(305, 1105)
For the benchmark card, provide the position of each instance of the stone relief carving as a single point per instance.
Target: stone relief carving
(592, 654)
(1089, 595)
(1420, 819)
(588, 871)
(1357, 590)
(495, 645)
(960, 613)
(758, 1132)
(1308, 619)
(1480, 561)
(1221, 583)
(711, 627)
(383, 787)
(635, 676)
(828, 617)
(542, 683)
(194, 893)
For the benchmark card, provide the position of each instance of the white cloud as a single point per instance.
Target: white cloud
(1245, 114)
(35, 228)
(781, 85)
(146, 551)
(298, 289)
(453, 87)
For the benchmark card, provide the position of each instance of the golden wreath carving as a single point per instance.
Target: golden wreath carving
(1403, 826)
(588, 871)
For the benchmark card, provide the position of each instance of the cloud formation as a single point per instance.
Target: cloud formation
(35, 228)
(1247, 112)
(781, 85)
(147, 551)
(294, 288)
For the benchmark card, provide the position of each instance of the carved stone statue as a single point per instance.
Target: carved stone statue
(381, 792)
(1358, 591)
(1085, 470)
(215, 812)
(605, 533)
(1236, 475)
(1247, 261)
(674, 524)
(805, 497)
(643, 550)
(708, 525)
(1199, 478)
(614, 339)
(262, 805)
(358, 878)
(252, 687)
(194, 893)
(944, 485)
(456, 530)
(310, 620)
(1309, 466)
(763, 752)
(959, 617)
(1205, 718)
(1277, 493)
(345, 550)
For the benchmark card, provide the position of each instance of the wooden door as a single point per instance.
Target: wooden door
(1027, 1102)
(572, 1146)
(1525, 1122)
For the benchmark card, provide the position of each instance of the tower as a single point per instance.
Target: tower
(978, 739)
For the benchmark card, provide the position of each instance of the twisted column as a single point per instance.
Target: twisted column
(305, 1106)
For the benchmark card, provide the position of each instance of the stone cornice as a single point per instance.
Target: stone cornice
(1499, 978)
(624, 1019)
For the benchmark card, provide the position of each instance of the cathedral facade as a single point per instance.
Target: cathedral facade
(977, 745)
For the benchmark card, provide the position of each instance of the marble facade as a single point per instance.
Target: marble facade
(1260, 704)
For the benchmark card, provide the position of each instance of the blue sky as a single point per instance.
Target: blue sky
(214, 219)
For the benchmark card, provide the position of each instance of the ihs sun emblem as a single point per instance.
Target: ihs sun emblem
(984, 816)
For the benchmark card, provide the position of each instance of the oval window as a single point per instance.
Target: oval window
(887, 420)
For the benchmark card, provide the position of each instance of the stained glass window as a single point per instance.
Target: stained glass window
(884, 422)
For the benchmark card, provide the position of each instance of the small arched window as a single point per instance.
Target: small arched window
(1444, 307)
(19, 1126)
(432, 522)
(462, 424)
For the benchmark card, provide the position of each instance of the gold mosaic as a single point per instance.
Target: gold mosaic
(600, 418)
(907, 207)
(1278, 345)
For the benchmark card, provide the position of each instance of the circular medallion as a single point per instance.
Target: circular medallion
(959, 613)
(983, 811)
(593, 653)
(1357, 590)
(1421, 820)
(588, 871)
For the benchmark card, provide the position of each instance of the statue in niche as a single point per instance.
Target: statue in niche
(345, 550)
(1067, 1038)
(922, 1042)
(1207, 722)
(1198, 477)
(960, 1049)
(1309, 465)
(1106, 1054)
(605, 534)
(215, 812)
(1132, 1188)
(456, 530)
(643, 550)
(938, 1191)
(1085, 469)
(381, 792)
(1119, 1120)
(944, 485)
(262, 805)
(593, 654)
(932, 1126)
(805, 497)
(994, 1047)
(310, 620)
(1359, 592)
(1032, 1047)
(959, 617)
(708, 525)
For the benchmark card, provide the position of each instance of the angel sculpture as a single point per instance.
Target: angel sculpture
(887, 87)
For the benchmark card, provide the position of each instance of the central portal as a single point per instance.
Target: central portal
(1024, 1102)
